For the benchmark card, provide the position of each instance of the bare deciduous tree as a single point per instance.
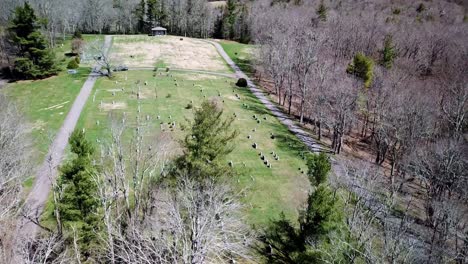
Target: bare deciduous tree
(14, 167)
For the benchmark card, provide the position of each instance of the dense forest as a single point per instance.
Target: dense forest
(382, 84)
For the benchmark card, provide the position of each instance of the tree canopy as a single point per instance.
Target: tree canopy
(34, 59)
(208, 143)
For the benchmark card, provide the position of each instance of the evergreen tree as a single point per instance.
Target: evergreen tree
(34, 59)
(322, 11)
(77, 34)
(154, 13)
(207, 144)
(362, 67)
(78, 203)
(73, 64)
(318, 168)
(283, 242)
(229, 19)
(388, 52)
(140, 15)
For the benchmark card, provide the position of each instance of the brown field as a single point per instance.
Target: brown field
(170, 51)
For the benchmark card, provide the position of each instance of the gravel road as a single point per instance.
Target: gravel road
(283, 118)
(47, 172)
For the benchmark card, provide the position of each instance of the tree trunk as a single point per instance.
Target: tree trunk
(319, 126)
(302, 111)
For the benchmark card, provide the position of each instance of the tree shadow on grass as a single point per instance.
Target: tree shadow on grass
(254, 104)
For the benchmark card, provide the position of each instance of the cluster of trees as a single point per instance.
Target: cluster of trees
(195, 18)
(143, 201)
(392, 84)
(138, 200)
(33, 57)
(52, 20)
(14, 167)
(154, 200)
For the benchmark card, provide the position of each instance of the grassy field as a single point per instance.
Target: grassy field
(240, 53)
(176, 52)
(269, 190)
(45, 103)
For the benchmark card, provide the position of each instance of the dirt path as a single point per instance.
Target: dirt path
(37, 198)
(283, 118)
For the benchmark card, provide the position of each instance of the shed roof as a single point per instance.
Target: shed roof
(158, 28)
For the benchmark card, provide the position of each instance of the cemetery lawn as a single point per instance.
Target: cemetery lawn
(240, 53)
(45, 104)
(269, 191)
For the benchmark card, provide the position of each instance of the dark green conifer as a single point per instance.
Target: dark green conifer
(34, 59)
(78, 204)
(207, 143)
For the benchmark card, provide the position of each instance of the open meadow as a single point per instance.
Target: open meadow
(167, 51)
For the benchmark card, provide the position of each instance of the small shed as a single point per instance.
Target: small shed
(158, 31)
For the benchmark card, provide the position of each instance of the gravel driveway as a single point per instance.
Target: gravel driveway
(47, 172)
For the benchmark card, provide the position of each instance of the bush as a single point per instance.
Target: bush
(421, 8)
(77, 59)
(396, 11)
(72, 64)
(322, 11)
(77, 35)
(362, 67)
(168, 95)
(241, 82)
(318, 168)
(189, 106)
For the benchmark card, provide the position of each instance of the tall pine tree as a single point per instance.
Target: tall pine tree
(207, 144)
(155, 13)
(230, 19)
(78, 204)
(388, 52)
(305, 240)
(34, 59)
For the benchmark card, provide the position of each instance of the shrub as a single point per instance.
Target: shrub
(318, 168)
(168, 69)
(77, 59)
(77, 35)
(72, 64)
(396, 11)
(322, 11)
(168, 95)
(421, 8)
(242, 82)
(189, 106)
(362, 67)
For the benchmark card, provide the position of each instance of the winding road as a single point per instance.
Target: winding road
(48, 171)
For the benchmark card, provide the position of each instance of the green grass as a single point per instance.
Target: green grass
(241, 54)
(268, 191)
(45, 104)
(161, 64)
